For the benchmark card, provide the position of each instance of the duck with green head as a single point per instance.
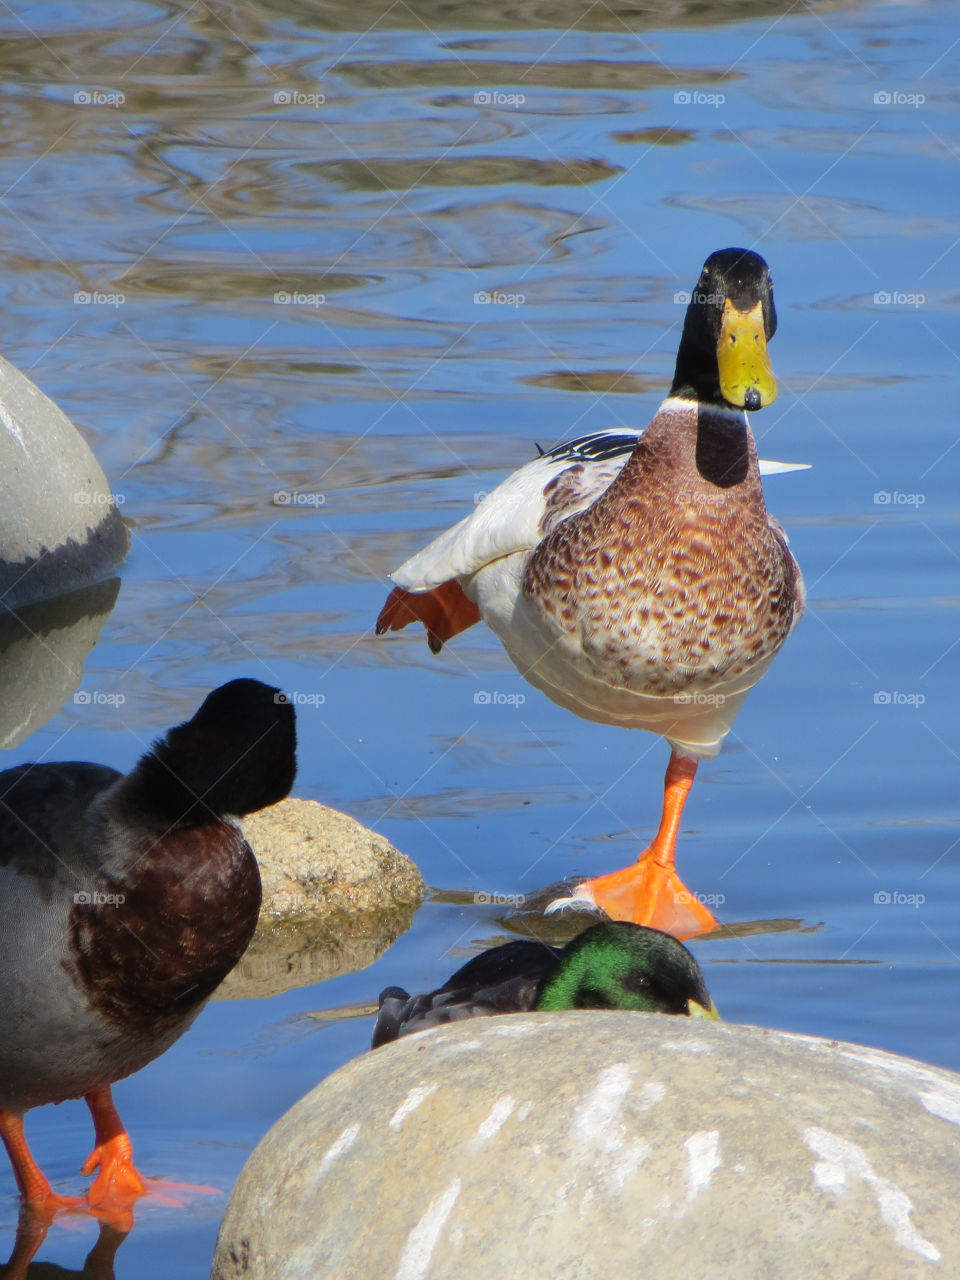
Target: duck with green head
(611, 965)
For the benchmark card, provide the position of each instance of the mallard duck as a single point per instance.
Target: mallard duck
(636, 578)
(126, 900)
(611, 965)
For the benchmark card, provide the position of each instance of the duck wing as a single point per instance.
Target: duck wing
(524, 508)
(505, 979)
(40, 804)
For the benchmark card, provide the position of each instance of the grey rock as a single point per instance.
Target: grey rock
(590, 1144)
(315, 861)
(60, 529)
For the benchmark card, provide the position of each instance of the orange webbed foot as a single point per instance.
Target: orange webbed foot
(651, 894)
(117, 1181)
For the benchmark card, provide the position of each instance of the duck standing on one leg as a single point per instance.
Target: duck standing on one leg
(636, 578)
(127, 900)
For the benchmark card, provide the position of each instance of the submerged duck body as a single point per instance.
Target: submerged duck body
(611, 965)
(127, 899)
(636, 577)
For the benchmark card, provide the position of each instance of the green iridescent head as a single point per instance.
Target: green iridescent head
(616, 965)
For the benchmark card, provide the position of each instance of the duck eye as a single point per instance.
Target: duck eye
(636, 981)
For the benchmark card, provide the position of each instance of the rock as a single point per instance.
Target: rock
(60, 529)
(43, 647)
(315, 861)
(297, 953)
(592, 1144)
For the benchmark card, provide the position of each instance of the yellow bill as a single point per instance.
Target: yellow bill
(746, 378)
(698, 1011)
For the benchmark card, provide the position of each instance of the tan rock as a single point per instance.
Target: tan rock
(315, 861)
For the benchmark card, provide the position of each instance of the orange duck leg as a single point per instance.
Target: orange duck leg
(33, 1186)
(650, 892)
(117, 1184)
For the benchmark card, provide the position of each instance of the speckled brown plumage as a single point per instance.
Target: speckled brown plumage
(676, 576)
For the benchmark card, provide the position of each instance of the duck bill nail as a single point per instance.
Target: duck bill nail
(699, 1011)
(746, 378)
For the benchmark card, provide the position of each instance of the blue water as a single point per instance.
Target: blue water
(398, 398)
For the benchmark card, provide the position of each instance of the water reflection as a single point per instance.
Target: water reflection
(31, 1233)
(43, 648)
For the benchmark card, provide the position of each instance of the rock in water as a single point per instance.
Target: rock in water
(589, 1145)
(60, 529)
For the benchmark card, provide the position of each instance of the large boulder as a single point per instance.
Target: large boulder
(60, 529)
(585, 1145)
